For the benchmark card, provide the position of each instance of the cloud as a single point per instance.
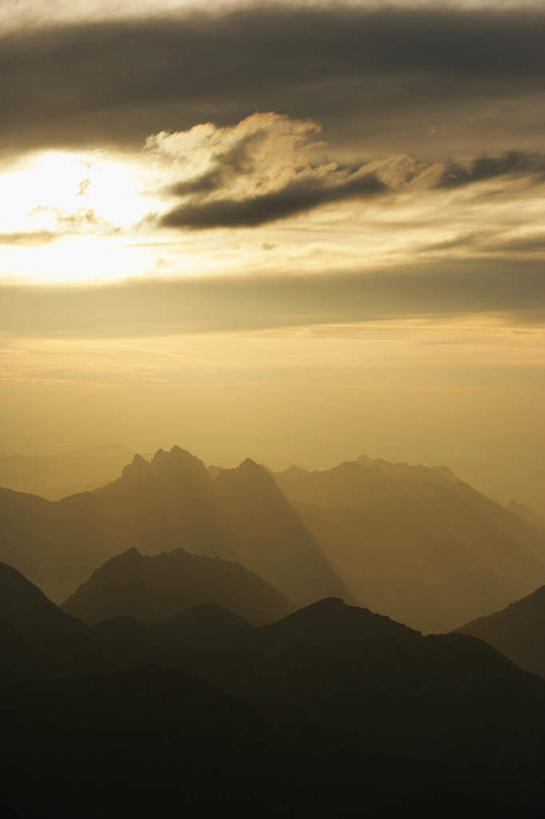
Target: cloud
(487, 167)
(297, 197)
(262, 152)
(27, 239)
(343, 65)
(155, 307)
(259, 171)
(227, 164)
(269, 167)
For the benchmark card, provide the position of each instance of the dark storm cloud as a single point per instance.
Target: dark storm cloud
(488, 167)
(297, 197)
(121, 81)
(147, 308)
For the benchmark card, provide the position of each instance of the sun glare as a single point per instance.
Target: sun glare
(68, 216)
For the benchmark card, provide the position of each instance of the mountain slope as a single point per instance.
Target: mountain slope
(153, 588)
(518, 631)
(417, 543)
(413, 542)
(269, 535)
(340, 674)
(37, 639)
(168, 503)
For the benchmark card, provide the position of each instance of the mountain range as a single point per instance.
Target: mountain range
(411, 541)
(416, 542)
(168, 503)
(332, 709)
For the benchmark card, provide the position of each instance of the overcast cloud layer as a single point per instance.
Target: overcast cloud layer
(400, 75)
(326, 139)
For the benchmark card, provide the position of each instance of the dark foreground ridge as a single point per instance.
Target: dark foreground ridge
(331, 711)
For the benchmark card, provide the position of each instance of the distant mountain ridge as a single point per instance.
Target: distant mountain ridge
(416, 542)
(166, 503)
(162, 586)
(518, 631)
(412, 541)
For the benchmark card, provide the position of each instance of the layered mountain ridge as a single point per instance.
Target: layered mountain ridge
(167, 503)
(174, 709)
(412, 541)
(416, 542)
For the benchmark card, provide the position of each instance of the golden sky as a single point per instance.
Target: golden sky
(292, 234)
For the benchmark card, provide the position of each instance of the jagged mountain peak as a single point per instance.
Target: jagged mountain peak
(138, 468)
(175, 455)
(248, 472)
(249, 466)
(177, 459)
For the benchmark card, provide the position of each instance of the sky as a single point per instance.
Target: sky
(296, 232)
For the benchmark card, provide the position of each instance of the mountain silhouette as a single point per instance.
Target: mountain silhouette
(167, 503)
(410, 541)
(518, 631)
(38, 639)
(162, 586)
(416, 542)
(332, 709)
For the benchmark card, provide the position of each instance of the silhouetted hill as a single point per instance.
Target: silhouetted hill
(347, 669)
(332, 710)
(518, 631)
(416, 542)
(162, 586)
(168, 503)
(37, 639)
